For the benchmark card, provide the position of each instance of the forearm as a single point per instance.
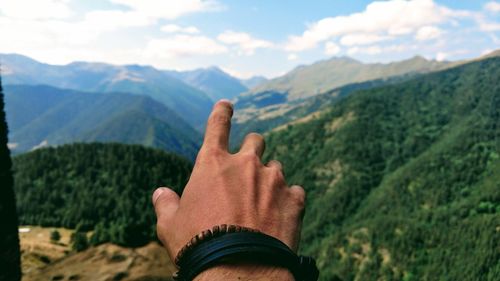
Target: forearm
(245, 272)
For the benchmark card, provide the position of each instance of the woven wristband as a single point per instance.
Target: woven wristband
(228, 243)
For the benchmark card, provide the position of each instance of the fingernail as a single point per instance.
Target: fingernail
(157, 194)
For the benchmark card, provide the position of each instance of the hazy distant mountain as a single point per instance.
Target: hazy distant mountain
(288, 97)
(254, 81)
(191, 104)
(213, 81)
(310, 80)
(268, 109)
(44, 115)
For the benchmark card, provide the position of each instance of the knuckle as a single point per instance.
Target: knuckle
(298, 197)
(277, 174)
(249, 157)
(208, 154)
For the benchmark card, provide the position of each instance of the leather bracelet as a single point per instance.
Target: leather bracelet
(208, 234)
(244, 243)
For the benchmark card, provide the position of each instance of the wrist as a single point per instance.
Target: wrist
(244, 272)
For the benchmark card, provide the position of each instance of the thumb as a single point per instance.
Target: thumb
(166, 202)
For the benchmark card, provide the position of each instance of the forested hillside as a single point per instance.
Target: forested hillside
(275, 116)
(403, 181)
(9, 241)
(52, 116)
(104, 187)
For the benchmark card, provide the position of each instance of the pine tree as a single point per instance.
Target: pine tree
(9, 239)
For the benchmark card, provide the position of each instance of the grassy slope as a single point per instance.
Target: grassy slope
(45, 260)
(403, 180)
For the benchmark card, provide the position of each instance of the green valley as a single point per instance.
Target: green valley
(402, 174)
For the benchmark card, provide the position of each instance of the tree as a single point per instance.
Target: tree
(79, 241)
(9, 238)
(55, 236)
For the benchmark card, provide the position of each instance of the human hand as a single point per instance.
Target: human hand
(228, 189)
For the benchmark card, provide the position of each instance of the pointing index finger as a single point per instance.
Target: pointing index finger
(219, 125)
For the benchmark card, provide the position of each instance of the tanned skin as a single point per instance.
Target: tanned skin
(227, 188)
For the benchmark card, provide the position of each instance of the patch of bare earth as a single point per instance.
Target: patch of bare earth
(337, 123)
(304, 119)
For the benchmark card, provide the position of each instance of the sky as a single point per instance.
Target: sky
(246, 38)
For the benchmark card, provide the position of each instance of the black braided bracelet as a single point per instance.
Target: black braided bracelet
(246, 244)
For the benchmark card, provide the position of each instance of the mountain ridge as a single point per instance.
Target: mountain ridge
(213, 81)
(190, 103)
(60, 116)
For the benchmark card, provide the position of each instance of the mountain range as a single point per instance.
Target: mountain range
(306, 88)
(401, 172)
(44, 115)
(189, 94)
(213, 81)
(190, 103)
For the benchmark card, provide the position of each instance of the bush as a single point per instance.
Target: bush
(55, 236)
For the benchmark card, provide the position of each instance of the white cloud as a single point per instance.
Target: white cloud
(398, 48)
(371, 50)
(169, 9)
(173, 28)
(183, 46)
(245, 42)
(362, 39)
(486, 52)
(427, 33)
(50, 32)
(444, 55)
(237, 73)
(39, 9)
(36, 34)
(331, 49)
(489, 26)
(492, 6)
(111, 20)
(398, 17)
(441, 56)
(292, 57)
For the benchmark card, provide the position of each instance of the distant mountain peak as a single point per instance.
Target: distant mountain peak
(417, 58)
(344, 59)
(495, 53)
(215, 69)
(212, 80)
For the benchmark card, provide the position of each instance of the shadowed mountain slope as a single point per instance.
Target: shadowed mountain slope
(51, 116)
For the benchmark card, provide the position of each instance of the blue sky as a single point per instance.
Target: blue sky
(246, 38)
